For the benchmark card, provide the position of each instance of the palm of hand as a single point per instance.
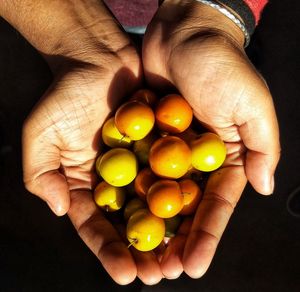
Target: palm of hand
(64, 129)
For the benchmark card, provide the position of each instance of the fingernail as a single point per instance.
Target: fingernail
(268, 185)
(57, 210)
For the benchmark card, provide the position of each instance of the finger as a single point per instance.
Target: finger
(222, 193)
(148, 268)
(160, 250)
(101, 237)
(171, 264)
(261, 137)
(41, 162)
(259, 131)
(79, 177)
(255, 124)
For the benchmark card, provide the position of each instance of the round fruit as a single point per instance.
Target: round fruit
(145, 96)
(208, 152)
(170, 157)
(108, 197)
(164, 198)
(191, 196)
(132, 206)
(112, 137)
(172, 225)
(97, 164)
(118, 167)
(141, 148)
(173, 114)
(143, 181)
(134, 119)
(145, 231)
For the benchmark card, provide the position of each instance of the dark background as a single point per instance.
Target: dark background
(260, 250)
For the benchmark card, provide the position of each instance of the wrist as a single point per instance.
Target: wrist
(192, 17)
(76, 30)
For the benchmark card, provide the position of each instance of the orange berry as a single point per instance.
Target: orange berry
(208, 152)
(144, 180)
(170, 157)
(112, 137)
(191, 196)
(164, 198)
(134, 119)
(173, 114)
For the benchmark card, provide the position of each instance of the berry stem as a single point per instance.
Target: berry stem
(123, 137)
(134, 240)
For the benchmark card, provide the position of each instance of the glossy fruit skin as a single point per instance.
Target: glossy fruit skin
(109, 198)
(145, 231)
(146, 96)
(142, 147)
(134, 119)
(132, 206)
(173, 114)
(112, 137)
(208, 152)
(97, 164)
(143, 181)
(118, 167)
(192, 195)
(164, 198)
(170, 157)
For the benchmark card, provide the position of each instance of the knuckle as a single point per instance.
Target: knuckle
(29, 184)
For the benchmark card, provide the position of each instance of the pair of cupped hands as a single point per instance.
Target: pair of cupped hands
(195, 50)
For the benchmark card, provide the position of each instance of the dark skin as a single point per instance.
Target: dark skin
(231, 99)
(90, 56)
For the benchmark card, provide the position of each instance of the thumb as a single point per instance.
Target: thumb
(41, 163)
(260, 134)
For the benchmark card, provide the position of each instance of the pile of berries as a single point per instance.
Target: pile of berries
(153, 150)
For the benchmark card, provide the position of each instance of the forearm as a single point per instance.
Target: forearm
(69, 28)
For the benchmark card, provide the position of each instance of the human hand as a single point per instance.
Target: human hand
(199, 51)
(95, 66)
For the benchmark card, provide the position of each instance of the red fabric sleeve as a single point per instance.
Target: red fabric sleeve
(133, 12)
(256, 7)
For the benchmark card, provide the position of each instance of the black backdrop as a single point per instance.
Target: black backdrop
(260, 250)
